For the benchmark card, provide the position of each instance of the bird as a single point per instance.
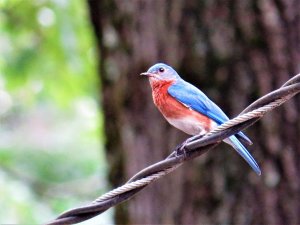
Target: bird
(188, 109)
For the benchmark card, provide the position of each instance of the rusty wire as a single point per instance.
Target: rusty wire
(188, 150)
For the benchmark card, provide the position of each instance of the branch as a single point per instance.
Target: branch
(189, 149)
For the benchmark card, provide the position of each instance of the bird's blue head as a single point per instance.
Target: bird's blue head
(161, 71)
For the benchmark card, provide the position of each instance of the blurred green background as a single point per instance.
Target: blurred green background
(51, 140)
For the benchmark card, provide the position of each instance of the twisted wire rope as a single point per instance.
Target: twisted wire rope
(135, 184)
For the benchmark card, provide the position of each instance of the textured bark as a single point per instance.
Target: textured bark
(235, 51)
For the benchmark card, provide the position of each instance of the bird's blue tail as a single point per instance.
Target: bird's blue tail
(237, 145)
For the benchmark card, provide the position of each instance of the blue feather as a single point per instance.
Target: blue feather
(242, 151)
(192, 97)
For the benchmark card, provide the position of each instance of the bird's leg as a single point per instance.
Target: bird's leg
(197, 136)
(180, 149)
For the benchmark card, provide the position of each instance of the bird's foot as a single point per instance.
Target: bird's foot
(180, 149)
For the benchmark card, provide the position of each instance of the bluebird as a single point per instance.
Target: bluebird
(188, 109)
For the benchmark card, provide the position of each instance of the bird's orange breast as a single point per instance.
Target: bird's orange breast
(173, 109)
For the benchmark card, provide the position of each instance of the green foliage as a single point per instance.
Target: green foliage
(45, 45)
(51, 156)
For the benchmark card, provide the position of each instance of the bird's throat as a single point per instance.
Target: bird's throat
(159, 85)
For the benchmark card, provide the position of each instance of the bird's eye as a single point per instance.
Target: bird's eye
(161, 69)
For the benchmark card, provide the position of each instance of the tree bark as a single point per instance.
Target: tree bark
(235, 51)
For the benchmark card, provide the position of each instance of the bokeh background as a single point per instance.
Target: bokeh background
(77, 120)
(51, 139)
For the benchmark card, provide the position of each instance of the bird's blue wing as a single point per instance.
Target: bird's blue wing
(192, 97)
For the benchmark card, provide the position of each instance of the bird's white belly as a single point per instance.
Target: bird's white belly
(189, 125)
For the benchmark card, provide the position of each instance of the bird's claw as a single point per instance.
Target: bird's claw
(181, 150)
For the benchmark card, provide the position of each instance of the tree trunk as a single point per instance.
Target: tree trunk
(235, 51)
